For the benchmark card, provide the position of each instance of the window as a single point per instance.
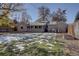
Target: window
(36, 26)
(40, 26)
(21, 27)
(31, 26)
(28, 26)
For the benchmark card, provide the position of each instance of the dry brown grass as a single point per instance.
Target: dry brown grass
(71, 47)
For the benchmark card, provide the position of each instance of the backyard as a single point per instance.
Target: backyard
(37, 44)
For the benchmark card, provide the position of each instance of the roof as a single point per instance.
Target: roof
(37, 23)
(52, 23)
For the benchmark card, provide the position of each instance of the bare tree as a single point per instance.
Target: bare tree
(8, 7)
(43, 13)
(26, 17)
(59, 15)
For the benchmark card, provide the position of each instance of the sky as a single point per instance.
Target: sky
(72, 9)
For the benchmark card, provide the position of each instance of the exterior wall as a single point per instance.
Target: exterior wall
(37, 28)
(76, 29)
(62, 27)
(71, 29)
(52, 28)
(21, 27)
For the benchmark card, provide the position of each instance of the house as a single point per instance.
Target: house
(56, 27)
(71, 29)
(76, 28)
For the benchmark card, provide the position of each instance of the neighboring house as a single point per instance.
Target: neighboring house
(76, 28)
(62, 27)
(52, 27)
(6, 29)
(71, 29)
